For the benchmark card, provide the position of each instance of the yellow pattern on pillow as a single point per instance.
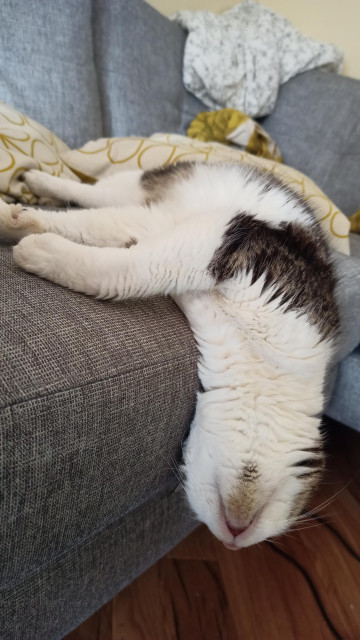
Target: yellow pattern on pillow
(105, 156)
(355, 222)
(231, 126)
(26, 144)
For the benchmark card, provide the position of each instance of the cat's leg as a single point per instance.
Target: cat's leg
(122, 188)
(109, 227)
(171, 263)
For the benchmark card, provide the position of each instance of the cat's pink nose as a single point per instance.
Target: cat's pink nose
(235, 531)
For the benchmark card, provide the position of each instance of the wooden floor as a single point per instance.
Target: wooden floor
(303, 586)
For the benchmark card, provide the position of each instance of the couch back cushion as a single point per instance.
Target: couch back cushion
(316, 125)
(47, 66)
(139, 56)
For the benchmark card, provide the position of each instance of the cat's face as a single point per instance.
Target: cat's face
(249, 485)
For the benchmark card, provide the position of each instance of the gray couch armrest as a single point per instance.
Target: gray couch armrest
(316, 125)
(348, 298)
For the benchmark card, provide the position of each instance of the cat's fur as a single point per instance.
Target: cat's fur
(244, 257)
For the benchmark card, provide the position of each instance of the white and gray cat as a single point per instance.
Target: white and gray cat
(244, 257)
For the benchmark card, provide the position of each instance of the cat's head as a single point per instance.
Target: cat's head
(251, 482)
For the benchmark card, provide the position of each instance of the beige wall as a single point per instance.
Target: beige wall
(336, 21)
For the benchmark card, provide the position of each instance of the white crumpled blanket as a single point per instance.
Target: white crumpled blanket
(238, 59)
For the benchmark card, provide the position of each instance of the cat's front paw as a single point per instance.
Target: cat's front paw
(57, 259)
(45, 186)
(36, 181)
(40, 254)
(17, 221)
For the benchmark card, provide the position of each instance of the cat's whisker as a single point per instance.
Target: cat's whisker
(288, 534)
(173, 467)
(309, 526)
(328, 501)
(307, 517)
(275, 542)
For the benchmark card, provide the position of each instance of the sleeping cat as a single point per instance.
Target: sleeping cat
(244, 257)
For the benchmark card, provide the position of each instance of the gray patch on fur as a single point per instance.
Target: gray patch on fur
(156, 182)
(250, 473)
(294, 259)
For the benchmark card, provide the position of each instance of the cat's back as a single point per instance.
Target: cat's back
(226, 189)
(272, 263)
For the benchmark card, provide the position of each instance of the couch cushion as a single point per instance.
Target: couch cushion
(355, 245)
(69, 590)
(316, 125)
(46, 66)
(348, 299)
(344, 404)
(95, 399)
(138, 55)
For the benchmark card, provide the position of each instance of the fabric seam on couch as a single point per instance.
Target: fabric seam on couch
(125, 372)
(86, 541)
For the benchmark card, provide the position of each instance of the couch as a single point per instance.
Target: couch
(96, 397)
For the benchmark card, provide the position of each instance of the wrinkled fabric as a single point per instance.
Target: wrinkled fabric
(238, 59)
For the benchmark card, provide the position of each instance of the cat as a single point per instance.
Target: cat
(243, 256)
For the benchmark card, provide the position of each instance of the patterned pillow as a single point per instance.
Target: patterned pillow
(355, 222)
(26, 144)
(105, 156)
(231, 126)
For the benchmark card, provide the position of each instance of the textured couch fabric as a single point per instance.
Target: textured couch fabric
(316, 125)
(96, 397)
(47, 66)
(344, 403)
(53, 600)
(348, 299)
(139, 66)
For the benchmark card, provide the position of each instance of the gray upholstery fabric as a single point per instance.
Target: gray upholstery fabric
(95, 400)
(348, 299)
(138, 55)
(344, 404)
(47, 68)
(54, 600)
(316, 125)
(355, 245)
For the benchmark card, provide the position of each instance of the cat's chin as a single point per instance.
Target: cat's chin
(242, 540)
(231, 547)
(260, 528)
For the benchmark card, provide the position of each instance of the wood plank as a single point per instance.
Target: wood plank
(176, 599)
(144, 610)
(335, 577)
(201, 544)
(97, 627)
(270, 597)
